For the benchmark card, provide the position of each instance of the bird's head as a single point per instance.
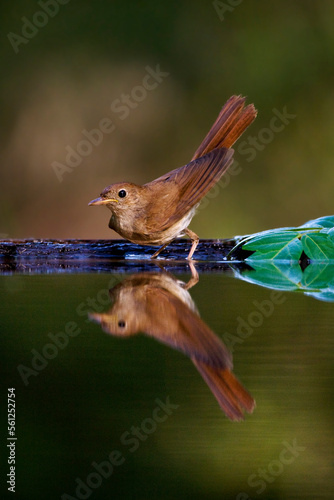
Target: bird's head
(119, 197)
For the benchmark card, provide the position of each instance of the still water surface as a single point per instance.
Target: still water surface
(100, 416)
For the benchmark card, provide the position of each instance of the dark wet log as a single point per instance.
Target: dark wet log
(43, 256)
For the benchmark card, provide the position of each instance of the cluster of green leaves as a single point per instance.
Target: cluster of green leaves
(290, 258)
(314, 241)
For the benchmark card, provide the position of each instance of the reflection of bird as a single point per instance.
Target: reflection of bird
(160, 211)
(158, 305)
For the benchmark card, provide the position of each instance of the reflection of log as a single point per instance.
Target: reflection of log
(105, 255)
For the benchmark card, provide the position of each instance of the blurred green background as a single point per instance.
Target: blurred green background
(67, 74)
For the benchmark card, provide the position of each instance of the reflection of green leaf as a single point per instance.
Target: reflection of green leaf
(273, 275)
(327, 296)
(316, 280)
(292, 271)
(318, 275)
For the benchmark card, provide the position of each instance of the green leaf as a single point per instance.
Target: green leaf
(323, 222)
(318, 246)
(315, 239)
(282, 245)
(330, 234)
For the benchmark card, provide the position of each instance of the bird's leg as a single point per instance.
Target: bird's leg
(155, 255)
(195, 239)
(194, 277)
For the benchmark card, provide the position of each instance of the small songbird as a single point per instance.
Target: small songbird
(160, 211)
(160, 306)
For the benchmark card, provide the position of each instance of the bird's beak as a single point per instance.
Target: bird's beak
(101, 201)
(96, 317)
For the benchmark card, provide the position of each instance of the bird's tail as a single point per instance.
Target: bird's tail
(230, 394)
(230, 124)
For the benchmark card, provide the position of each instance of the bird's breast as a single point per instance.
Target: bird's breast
(135, 225)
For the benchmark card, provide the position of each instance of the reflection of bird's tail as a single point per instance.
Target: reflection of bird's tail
(232, 121)
(230, 394)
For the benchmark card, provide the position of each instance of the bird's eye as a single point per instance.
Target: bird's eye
(121, 324)
(122, 193)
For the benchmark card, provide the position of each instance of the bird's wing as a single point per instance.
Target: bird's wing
(183, 188)
(172, 322)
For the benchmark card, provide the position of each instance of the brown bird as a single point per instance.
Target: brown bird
(158, 305)
(160, 211)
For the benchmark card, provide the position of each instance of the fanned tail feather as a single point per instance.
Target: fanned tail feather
(230, 124)
(230, 394)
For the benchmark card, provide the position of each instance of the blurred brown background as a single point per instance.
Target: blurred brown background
(64, 64)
